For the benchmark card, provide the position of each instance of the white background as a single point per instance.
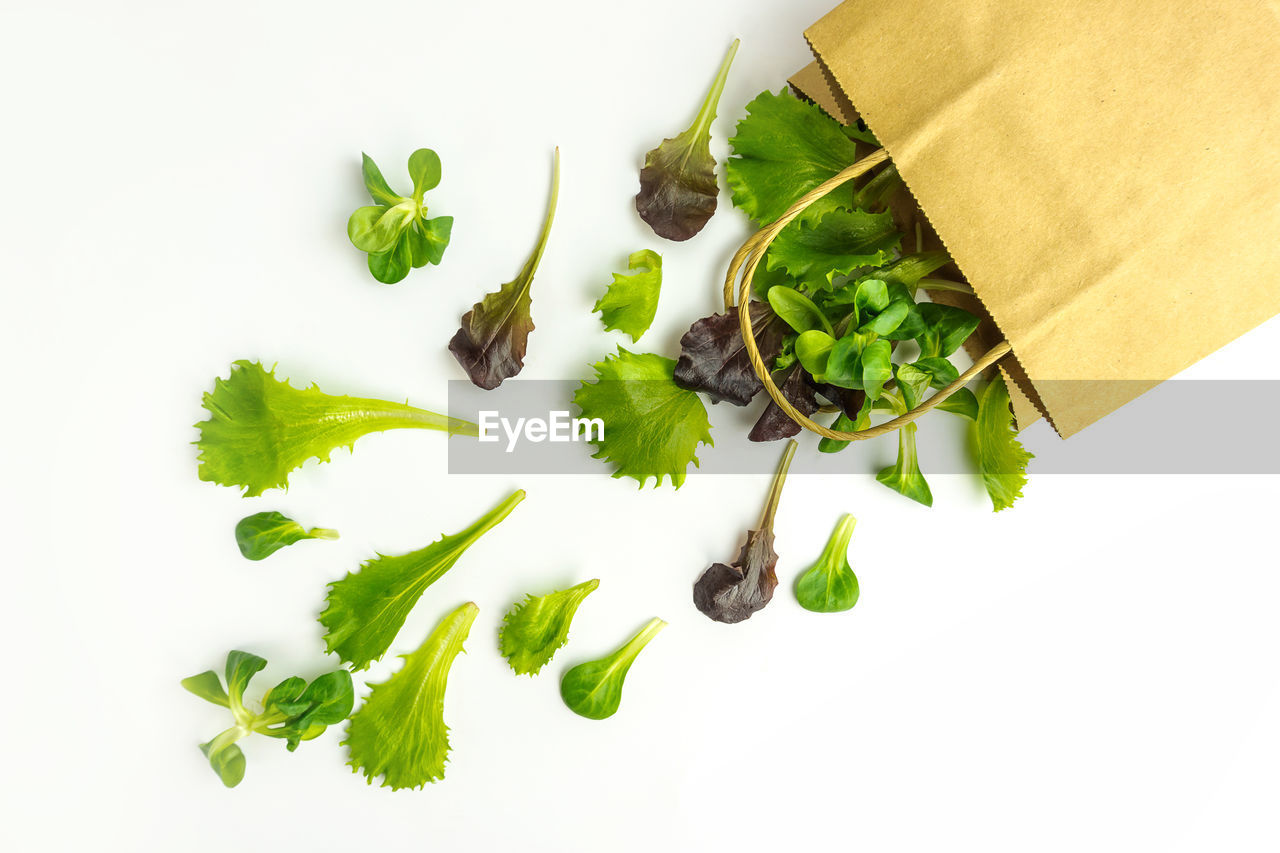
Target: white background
(1092, 670)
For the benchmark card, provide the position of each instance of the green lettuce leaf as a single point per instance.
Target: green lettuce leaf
(1001, 457)
(260, 428)
(594, 689)
(782, 149)
(399, 732)
(630, 303)
(395, 230)
(652, 427)
(367, 607)
(837, 244)
(262, 534)
(829, 585)
(535, 628)
(904, 476)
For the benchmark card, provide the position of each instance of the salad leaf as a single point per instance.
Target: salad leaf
(829, 585)
(678, 182)
(904, 476)
(594, 689)
(399, 732)
(494, 336)
(837, 244)
(846, 423)
(797, 310)
(799, 390)
(946, 328)
(1001, 457)
(963, 402)
(262, 534)
(652, 426)
(534, 629)
(367, 607)
(713, 356)
(782, 149)
(260, 428)
(630, 303)
(731, 593)
(395, 231)
(293, 710)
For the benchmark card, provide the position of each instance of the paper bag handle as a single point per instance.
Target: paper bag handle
(750, 254)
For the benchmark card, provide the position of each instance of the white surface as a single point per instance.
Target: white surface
(1094, 670)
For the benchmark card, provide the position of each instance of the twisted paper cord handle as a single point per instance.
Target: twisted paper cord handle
(750, 254)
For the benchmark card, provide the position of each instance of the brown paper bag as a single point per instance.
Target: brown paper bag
(1105, 174)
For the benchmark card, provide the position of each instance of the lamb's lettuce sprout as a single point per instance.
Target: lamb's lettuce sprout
(260, 428)
(829, 585)
(594, 689)
(537, 627)
(293, 710)
(395, 231)
(262, 534)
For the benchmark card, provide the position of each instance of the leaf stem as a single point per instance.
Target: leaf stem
(531, 265)
(775, 491)
(490, 519)
(636, 644)
(945, 284)
(707, 114)
(322, 533)
(838, 544)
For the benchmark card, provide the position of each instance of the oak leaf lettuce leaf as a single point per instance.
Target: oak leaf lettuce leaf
(678, 182)
(261, 428)
(367, 608)
(262, 534)
(594, 689)
(631, 301)
(494, 336)
(399, 732)
(1001, 457)
(652, 426)
(798, 387)
(534, 629)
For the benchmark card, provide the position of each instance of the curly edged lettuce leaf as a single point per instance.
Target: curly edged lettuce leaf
(781, 150)
(293, 710)
(367, 608)
(262, 534)
(1001, 457)
(395, 230)
(399, 732)
(678, 182)
(261, 428)
(630, 303)
(492, 340)
(534, 629)
(652, 427)
(837, 244)
(594, 689)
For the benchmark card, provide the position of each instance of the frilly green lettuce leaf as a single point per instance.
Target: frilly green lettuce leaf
(399, 732)
(535, 628)
(652, 427)
(630, 303)
(837, 244)
(260, 428)
(1001, 457)
(366, 609)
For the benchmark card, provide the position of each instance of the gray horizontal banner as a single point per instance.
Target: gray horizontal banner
(533, 427)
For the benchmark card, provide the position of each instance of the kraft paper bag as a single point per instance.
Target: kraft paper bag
(1106, 175)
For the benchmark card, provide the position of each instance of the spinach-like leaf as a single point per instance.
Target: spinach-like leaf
(494, 336)
(797, 310)
(713, 356)
(799, 390)
(652, 426)
(260, 428)
(678, 182)
(837, 244)
(367, 607)
(630, 303)
(782, 149)
(293, 710)
(396, 231)
(1001, 457)
(904, 475)
(262, 534)
(399, 732)
(732, 592)
(829, 585)
(535, 628)
(946, 328)
(594, 689)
